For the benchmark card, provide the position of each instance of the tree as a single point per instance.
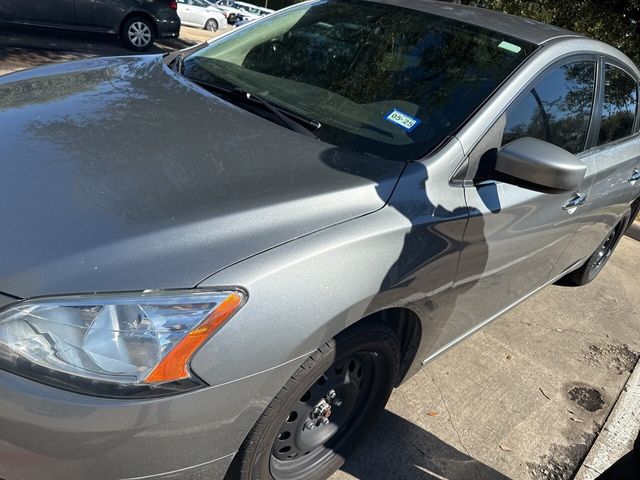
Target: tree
(616, 22)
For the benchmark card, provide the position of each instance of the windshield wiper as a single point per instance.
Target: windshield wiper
(177, 63)
(176, 58)
(292, 121)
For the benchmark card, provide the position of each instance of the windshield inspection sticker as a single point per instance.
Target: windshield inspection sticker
(402, 119)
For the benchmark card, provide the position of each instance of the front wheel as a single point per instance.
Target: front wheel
(211, 25)
(138, 33)
(325, 409)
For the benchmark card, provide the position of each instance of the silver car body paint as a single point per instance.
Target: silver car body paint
(318, 239)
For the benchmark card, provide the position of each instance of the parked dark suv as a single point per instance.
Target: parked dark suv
(138, 22)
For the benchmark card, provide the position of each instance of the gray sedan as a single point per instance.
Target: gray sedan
(221, 261)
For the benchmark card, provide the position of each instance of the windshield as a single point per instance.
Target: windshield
(380, 79)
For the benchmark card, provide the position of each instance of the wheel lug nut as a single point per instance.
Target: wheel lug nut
(310, 425)
(325, 421)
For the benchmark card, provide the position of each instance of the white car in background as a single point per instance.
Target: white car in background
(232, 9)
(253, 10)
(266, 11)
(201, 14)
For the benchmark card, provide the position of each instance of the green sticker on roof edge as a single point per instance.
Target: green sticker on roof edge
(510, 46)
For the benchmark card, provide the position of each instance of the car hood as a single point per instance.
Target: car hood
(119, 174)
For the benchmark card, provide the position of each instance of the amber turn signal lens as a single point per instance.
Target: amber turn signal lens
(175, 365)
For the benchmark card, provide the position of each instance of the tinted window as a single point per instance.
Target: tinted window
(557, 109)
(620, 104)
(381, 79)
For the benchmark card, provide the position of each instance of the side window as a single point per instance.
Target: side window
(620, 105)
(557, 109)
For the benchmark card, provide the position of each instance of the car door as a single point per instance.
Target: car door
(13, 11)
(199, 13)
(102, 14)
(185, 11)
(518, 234)
(50, 12)
(615, 153)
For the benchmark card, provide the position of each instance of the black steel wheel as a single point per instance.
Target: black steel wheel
(595, 264)
(322, 420)
(325, 409)
(604, 253)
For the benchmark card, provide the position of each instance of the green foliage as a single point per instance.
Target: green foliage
(616, 22)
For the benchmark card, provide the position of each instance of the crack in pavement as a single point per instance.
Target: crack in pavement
(589, 467)
(563, 330)
(440, 461)
(446, 407)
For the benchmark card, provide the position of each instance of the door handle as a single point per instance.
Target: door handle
(635, 176)
(575, 202)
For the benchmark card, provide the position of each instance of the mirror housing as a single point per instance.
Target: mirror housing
(539, 165)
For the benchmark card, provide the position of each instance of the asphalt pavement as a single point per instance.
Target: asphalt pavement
(22, 47)
(523, 399)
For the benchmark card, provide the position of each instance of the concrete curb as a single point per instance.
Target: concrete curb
(634, 230)
(619, 432)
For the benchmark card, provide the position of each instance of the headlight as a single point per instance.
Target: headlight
(136, 344)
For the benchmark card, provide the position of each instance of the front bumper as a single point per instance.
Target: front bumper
(168, 27)
(50, 433)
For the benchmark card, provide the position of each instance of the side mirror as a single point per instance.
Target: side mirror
(539, 165)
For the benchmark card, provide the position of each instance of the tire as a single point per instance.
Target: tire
(595, 264)
(635, 211)
(211, 25)
(138, 33)
(297, 437)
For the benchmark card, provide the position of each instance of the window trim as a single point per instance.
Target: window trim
(596, 110)
(637, 127)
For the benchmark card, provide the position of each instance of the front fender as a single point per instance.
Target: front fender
(303, 293)
(300, 295)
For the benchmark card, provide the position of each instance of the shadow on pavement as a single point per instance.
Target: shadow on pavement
(627, 468)
(400, 450)
(634, 231)
(23, 47)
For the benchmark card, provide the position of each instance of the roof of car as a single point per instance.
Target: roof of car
(517, 27)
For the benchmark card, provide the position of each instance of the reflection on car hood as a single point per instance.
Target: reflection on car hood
(118, 174)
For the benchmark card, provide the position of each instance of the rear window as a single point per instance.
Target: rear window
(620, 105)
(381, 79)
